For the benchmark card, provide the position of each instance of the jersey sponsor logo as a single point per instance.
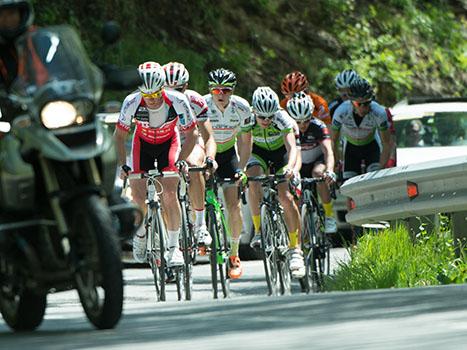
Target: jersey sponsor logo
(197, 100)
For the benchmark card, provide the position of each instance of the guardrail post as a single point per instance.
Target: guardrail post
(459, 228)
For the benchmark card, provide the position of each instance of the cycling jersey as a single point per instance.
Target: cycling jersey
(311, 139)
(226, 125)
(345, 120)
(321, 110)
(200, 108)
(157, 126)
(272, 137)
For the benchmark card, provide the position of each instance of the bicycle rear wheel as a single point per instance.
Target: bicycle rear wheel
(268, 250)
(283, 264)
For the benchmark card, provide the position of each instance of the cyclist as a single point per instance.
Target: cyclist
(357, 120)
(342, 82)
(230, 115)
(204, 152)
(316, 152)
(160, 114)
(297, 82)
(274, 142)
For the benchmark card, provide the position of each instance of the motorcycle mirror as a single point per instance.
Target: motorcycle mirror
(117, 78)
(111, 32)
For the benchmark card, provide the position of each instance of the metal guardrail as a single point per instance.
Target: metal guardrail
(408, 191)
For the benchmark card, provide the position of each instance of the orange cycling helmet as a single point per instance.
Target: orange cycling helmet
(294, 82)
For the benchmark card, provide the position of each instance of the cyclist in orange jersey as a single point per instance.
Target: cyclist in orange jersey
(297, 82)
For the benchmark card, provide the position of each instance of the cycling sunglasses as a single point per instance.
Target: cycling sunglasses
(361, 104)
(156, 94)
(304, 121)
(265, 117)
(218, 91)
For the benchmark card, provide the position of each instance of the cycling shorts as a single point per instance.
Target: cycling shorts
(144, 154)
(355, 155)
(307, 169)
(227, 162)
(263, 157)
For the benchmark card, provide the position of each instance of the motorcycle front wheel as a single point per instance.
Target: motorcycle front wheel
(98, 277)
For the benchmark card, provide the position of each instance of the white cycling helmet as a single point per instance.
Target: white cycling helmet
(300, 106)
(345, 78)
(176, 74)
(265, 101)
(152, 75)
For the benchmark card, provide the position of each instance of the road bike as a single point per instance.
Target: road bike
(274, 236)
(314, 241)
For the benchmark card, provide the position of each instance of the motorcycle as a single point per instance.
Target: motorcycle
(57, 167)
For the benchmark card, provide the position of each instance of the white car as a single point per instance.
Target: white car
(430, 129)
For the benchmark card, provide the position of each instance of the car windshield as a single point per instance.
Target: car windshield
(439, 129)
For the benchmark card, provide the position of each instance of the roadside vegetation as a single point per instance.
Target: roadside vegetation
(404, 47)
(392, 259)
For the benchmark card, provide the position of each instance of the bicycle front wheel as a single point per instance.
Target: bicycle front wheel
(218, 256)
(268, 250)
(283, 264)
(185, 279)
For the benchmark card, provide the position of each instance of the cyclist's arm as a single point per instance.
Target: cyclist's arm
(205, 128)
(120, 137)
(326, 146)
(291, 146)
(335, 135)
(191, 137)
(386, 142)
(244, 145)
(298, 163)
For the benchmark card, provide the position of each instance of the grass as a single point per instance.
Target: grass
(391, 259)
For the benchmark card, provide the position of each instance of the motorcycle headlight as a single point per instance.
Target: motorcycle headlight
(60, 114)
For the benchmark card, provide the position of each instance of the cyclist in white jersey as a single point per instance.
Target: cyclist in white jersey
(357, 121)
(230, 115)
(160, 115)
(204, 152)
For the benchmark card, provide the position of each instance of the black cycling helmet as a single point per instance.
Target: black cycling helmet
(222, 77)
(361, 88)
(26, 18)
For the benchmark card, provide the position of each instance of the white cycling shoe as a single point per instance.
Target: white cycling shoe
(255, 242)
(330, 225)
(203, 237)
(296, 263)
(175, 257)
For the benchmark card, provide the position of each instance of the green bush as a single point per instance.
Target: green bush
(391, 259)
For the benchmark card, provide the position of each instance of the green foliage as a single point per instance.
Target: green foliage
(390, 259)
(404, 47)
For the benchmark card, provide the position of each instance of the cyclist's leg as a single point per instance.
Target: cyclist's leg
(352, 162)
(330, 225)
(228, 164)
(141, 162)
(371, 155)
(255, 167)
(169, 199)
(196, 192)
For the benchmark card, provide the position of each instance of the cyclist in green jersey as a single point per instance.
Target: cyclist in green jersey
(274, 143)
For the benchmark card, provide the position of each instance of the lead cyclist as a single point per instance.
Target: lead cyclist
(204, 152)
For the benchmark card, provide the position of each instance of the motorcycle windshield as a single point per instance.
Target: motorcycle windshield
(53, 65)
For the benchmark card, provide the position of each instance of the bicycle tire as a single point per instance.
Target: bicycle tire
(153, 261)
(211, 223)
(224, 251)
(309, 246)
(322, 260)
(268, 250)
(160, 235)
(282, 262)
(184, 278)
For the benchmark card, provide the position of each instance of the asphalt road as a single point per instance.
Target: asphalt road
(422, 318)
